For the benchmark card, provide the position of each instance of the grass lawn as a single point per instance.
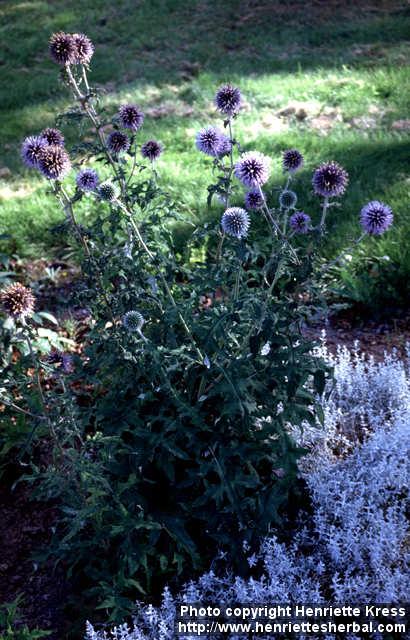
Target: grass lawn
(327, 77)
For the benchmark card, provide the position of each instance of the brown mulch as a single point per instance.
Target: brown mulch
(375, 338)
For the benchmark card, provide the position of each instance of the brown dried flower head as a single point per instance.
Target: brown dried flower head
(17, 301)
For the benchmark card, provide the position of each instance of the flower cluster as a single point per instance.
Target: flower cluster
(212, 142)
(118, 142)
(253, 169)
(87, 179)
(17, 301)
(131, 117)
(235, 222)
(228, 100)
(330, 180)
(151, 150)
(46, 152)
(376, 217)
(292, 160)
(71, 48)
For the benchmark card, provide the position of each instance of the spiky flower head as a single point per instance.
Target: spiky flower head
(54, 162)
(84, 48)
(376, 217)
(118, 142)
(31, 150)
(87, 179)
(131, 116)
(288, 199)
(53, 136)
(108, 191)
(300, 222)
(228, 100)
(62, 48)
(292, 160)
(253, 169)
(330, 180)
(254, 199)
(235, 222)
(151, 150)
(225, 146)
(133, 321)
(17, 301)
(209, 140)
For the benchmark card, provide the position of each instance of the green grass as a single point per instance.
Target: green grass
(345, 60)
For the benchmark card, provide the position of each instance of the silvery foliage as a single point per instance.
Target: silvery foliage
(357, 537)
(366, 395)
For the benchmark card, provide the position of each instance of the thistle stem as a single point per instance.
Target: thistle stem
(67, 207)
(276, 226)
(325, 208)
(40, 390)
(91, 113)
(168, 291)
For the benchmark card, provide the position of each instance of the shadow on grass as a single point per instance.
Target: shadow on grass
(165, 41)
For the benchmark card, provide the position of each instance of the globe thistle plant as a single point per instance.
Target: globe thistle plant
(62, 48)
(53, 136)
(54, 162)
(330, 180)
(209, 140)
(292, 160)
(108, 191)
(228, 100)
(300, 222)
(131, 117)
(376, 217)
(87, 179)
(118, 142)
(133, 321)
(31, 150)
(253, 169)
(235, 222)
(151, 150)
(253, 199)
(17, 301)
(288, 199)
(84, 48)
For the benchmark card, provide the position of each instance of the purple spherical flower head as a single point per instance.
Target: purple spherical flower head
(118, 142)
(235, 222)
(54, 162)
(31, 150)
(225, 146)
(292, 160)
(253, 169)
(209, 140)
(87, 179)
(300, 222)
(84, 48)
(253, 199)
(53, 136)
(376, 217)
(62, 48)
(288, 199)
(330, 180)
(151, 150)
(131, 116)
(228, 100)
